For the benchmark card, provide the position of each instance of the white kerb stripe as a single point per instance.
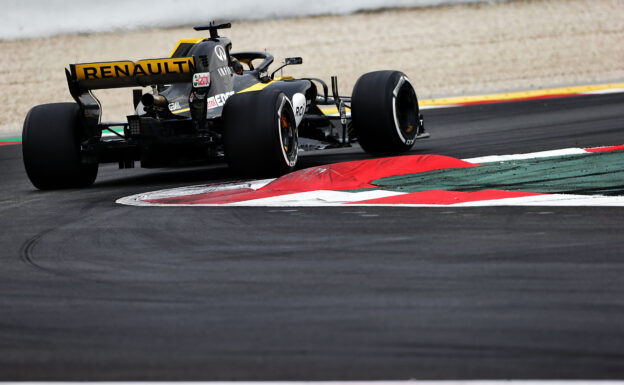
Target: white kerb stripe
(532, 155)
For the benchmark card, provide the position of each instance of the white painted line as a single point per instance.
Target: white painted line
(551, 200)
(558, 200)
(317, 198)
(435, 107)
(600, 92)
(326, 198)
(532, 155)
(139, 199)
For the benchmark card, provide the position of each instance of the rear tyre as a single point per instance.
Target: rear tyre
(385, 113)
(260, 133)
(51, 148)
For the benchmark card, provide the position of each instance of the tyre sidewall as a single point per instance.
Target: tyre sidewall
(374, 113)
(51, 147)
(252, 137)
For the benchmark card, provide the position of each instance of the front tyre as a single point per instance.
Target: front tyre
(385, 113)
(260, 133)
(51, 148)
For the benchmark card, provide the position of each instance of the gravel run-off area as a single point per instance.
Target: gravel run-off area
(445, 51)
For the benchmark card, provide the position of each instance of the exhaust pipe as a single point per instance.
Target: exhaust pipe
(150, 100)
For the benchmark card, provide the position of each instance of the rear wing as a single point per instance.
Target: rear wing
(85, 77)
(91, 76)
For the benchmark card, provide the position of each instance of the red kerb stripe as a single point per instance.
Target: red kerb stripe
(604, 149)
(337, 176)
(517, 99)
(442, 197)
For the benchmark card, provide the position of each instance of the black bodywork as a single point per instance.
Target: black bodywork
(180, 124)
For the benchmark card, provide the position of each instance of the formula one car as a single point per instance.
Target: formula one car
(208, 103)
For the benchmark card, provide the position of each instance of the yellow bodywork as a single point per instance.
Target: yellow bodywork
(185, 41)
(120, 69)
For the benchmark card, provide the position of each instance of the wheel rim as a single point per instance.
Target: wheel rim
(405, 110)
(288, 134)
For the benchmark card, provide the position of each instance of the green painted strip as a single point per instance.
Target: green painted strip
(599, 173)
(118, 129)
(11, 140)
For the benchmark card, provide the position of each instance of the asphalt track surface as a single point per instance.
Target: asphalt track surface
(93, 290)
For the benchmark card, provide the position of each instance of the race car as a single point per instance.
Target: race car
(206, 103)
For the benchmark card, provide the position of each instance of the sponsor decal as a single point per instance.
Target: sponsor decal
(224, 71)
(122, 69)
(342, 110)
(218, 100)
(174, 106)
(220, 52)
(201, 79)
(299, 106)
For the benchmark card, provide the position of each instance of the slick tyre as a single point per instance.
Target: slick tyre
(51, 148)
(260, 133)
(385, 113)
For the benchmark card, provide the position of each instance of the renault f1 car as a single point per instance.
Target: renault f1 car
(209, 103)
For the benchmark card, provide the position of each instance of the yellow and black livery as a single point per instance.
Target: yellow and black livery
(204, 102)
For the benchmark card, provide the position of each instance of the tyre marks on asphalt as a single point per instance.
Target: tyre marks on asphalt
(29, 257)
(26, 253)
